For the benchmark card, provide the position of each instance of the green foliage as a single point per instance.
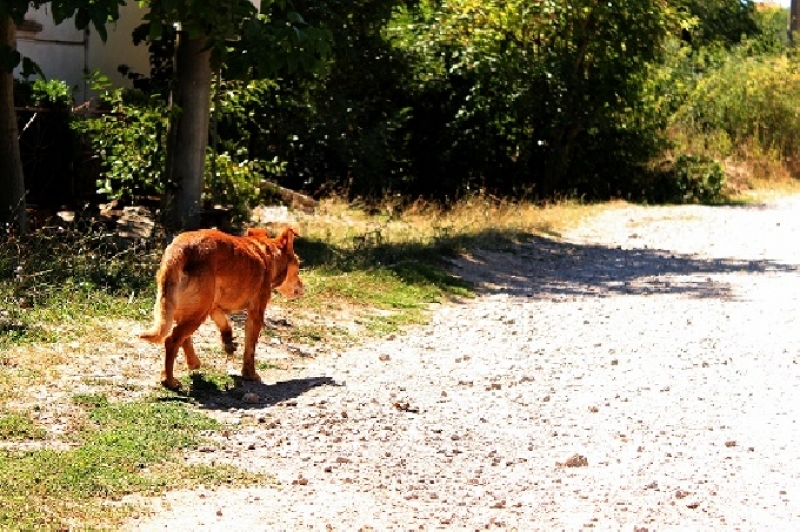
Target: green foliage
(748, 99)
(130, 139)
(54, 94)
(249, 44)
(235, 184)
(344, 124)
(697, 180)
(439, 99)
(718, 22)
(158, 81)
(701, 179)
(771, 36)
(686, 179)
(530, 90)
(235, 174)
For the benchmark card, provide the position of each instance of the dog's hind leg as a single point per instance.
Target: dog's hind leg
(180, 333)
(192, 361)
(225, 330)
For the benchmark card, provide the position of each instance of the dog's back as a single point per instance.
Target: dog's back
(207, 269)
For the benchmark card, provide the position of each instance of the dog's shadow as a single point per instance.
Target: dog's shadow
(212, 394)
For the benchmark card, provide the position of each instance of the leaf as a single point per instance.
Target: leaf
(295, 18)
(156, 30)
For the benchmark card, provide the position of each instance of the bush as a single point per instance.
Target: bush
(753, 101)
(236, 183)
(698, 179)
(130, 138)
(687, 179)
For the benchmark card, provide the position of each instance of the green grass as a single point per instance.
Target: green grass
(65, 314)
(123, 448)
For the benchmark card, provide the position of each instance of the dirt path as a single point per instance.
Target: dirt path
(658, 343)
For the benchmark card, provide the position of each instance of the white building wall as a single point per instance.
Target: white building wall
(68, 54)
(118, 48)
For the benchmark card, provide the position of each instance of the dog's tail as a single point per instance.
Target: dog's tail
(164, 309)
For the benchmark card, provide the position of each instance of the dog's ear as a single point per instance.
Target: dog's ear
(257, 232)
(287, 238)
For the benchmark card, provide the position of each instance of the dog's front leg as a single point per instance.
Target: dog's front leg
(225, 330)
(252, 328)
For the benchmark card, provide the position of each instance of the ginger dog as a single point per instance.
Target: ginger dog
(210, 273)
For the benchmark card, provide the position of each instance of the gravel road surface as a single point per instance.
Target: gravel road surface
(641, 372)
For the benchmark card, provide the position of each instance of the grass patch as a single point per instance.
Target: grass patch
(15, 426)
(124, 448)
(210, 382)
(65, 314)
(53, 282)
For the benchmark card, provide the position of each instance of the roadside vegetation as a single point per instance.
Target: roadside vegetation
(441, 149)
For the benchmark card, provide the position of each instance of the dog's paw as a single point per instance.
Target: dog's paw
(251, 375)
(171, 384)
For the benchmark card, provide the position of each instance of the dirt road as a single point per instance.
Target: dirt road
(653, 349)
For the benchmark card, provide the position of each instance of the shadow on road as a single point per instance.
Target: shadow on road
(210, 394)
(544, 267)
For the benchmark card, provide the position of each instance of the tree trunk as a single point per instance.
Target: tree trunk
(558, 164)
(188, 138)
(12, 182)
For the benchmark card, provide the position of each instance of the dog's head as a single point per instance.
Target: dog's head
(286, 266)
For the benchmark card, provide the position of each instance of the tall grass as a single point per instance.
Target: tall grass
(746, 112)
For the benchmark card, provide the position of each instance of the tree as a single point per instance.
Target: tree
(534, 95)
(12, 184)
(722, 22)
(228, 34)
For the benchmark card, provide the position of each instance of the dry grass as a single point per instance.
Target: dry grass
(338, 221)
